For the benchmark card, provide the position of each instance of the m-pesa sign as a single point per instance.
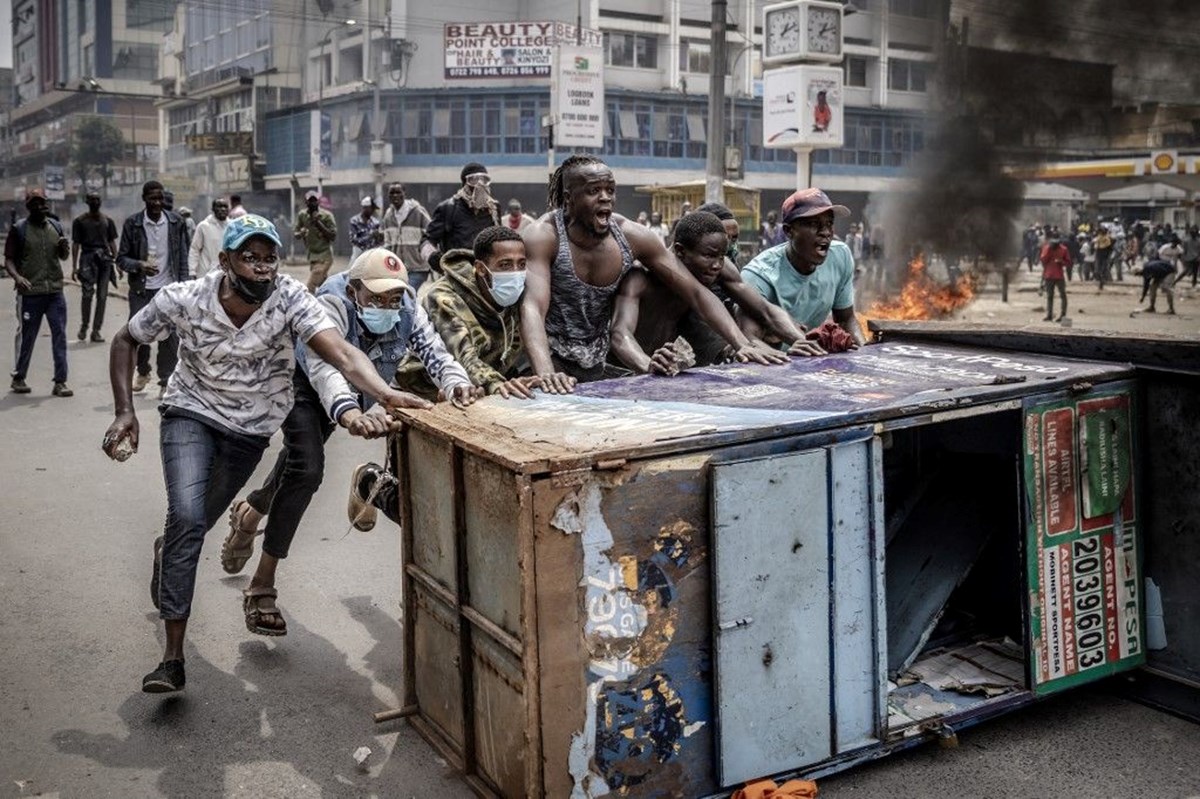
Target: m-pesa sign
(508, 49)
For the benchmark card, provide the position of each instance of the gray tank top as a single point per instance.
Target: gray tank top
(577, 323)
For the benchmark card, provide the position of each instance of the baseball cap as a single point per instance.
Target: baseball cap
(246, 227)
(310, 194)
(367, 202)
(380, 270)
(34, 193)
(809, 202)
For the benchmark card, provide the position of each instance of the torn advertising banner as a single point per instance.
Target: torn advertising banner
(1084, 563)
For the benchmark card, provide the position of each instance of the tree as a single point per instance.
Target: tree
(98, 142)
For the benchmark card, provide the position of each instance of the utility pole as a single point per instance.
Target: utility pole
(714, 178)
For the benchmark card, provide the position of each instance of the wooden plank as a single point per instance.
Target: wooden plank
(492, 516)
(430, 476)
(498, 702)
(466, 659)
(772, 593)
(530, 662)
(400, 457)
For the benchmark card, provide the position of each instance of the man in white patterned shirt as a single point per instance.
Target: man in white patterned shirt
(375, 310)
(231, 389)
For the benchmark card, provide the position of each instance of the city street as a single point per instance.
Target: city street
(282, 717)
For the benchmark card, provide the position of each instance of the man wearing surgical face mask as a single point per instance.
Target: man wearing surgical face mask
(374, 309)
(475, 307)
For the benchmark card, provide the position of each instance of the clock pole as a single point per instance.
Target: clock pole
(714, 178)
(803, 167)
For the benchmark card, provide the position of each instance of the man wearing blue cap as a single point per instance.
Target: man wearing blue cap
(811, 274)
(230, 392)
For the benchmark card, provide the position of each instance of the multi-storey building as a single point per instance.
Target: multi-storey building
(73, 59)
(225, 65)
(657, 59)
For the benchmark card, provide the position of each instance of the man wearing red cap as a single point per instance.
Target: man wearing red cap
(811, 274)
(33, 255)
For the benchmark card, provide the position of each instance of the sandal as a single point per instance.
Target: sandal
(238, 546)
(259, 607)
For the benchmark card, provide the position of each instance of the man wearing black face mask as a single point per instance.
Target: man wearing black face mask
(375, 310)
(154, 253)
(232, 390)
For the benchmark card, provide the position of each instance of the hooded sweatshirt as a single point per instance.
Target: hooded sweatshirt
(483, 339)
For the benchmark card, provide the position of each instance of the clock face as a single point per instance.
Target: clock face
(783, 31)
(823, 31)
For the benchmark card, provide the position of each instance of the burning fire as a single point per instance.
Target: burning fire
(922, 297)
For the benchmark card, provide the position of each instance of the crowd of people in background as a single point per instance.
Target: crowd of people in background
(1105, 251)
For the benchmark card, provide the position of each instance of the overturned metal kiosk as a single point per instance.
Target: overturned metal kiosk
(667, 587)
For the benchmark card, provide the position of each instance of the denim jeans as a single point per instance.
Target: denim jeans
(205, 467)
(298, 471)
(31, 309)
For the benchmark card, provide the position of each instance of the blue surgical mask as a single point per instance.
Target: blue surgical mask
(379, 320)
(507, 287)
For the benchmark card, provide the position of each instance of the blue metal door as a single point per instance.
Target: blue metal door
(800, 647)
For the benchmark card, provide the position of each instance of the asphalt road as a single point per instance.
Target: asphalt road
(282, 717)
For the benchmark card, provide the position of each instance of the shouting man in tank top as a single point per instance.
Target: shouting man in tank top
(578, 254)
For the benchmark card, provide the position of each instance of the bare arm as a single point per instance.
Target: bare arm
(625, 321)
(774, 320)
(359, 370)
(662, 265)
(75, 260)
(121, 356)
(540, 245)
(848, 321)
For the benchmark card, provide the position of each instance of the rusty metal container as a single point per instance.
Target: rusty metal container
(665, 587)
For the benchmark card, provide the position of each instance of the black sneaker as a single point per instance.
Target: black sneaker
(166, 678)
(19, 386)
(61, 390)
(97, 338)
(362, 515)
(158, 544)
(82, 333)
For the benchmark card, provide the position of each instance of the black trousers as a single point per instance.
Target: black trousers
(95, 272)
(286, 493)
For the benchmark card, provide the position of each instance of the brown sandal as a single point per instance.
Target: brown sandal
(259, 606)
(238, 546)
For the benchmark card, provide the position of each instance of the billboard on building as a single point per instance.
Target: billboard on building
(803, 107)
(509, 49)
(54, 181)
(577, 96)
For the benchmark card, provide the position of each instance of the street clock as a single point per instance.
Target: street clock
(802, 30)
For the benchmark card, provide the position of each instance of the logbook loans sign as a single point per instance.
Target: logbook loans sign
(508, 49)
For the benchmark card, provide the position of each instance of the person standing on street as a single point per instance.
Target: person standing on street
(458, 220)
(1103, 245)
(236, 210)
(154, 254)
(403, 225)
(317, 228)
(364, 229)
(33, 255)
(1056, 260)
(1190, 255)
(516, 218)
(94, 235)
(237, 328)
(772, 233)
(205, 250)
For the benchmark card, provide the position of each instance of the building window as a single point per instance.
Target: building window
(922, 9)
(907, 76)
(856, 71)
(154, 15)
(696, 57)
(630, 50)
(135, 61)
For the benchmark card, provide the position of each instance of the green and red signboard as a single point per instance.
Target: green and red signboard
(1083, 549)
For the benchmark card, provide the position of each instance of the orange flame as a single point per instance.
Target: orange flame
(922, 297)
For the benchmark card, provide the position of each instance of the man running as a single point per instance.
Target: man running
(231, 391)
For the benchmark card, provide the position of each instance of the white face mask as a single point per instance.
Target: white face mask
(507, 287)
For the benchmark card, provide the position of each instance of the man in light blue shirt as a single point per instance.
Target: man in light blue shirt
(811, 274)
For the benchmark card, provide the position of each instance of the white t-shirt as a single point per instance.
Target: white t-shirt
(241, 378)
